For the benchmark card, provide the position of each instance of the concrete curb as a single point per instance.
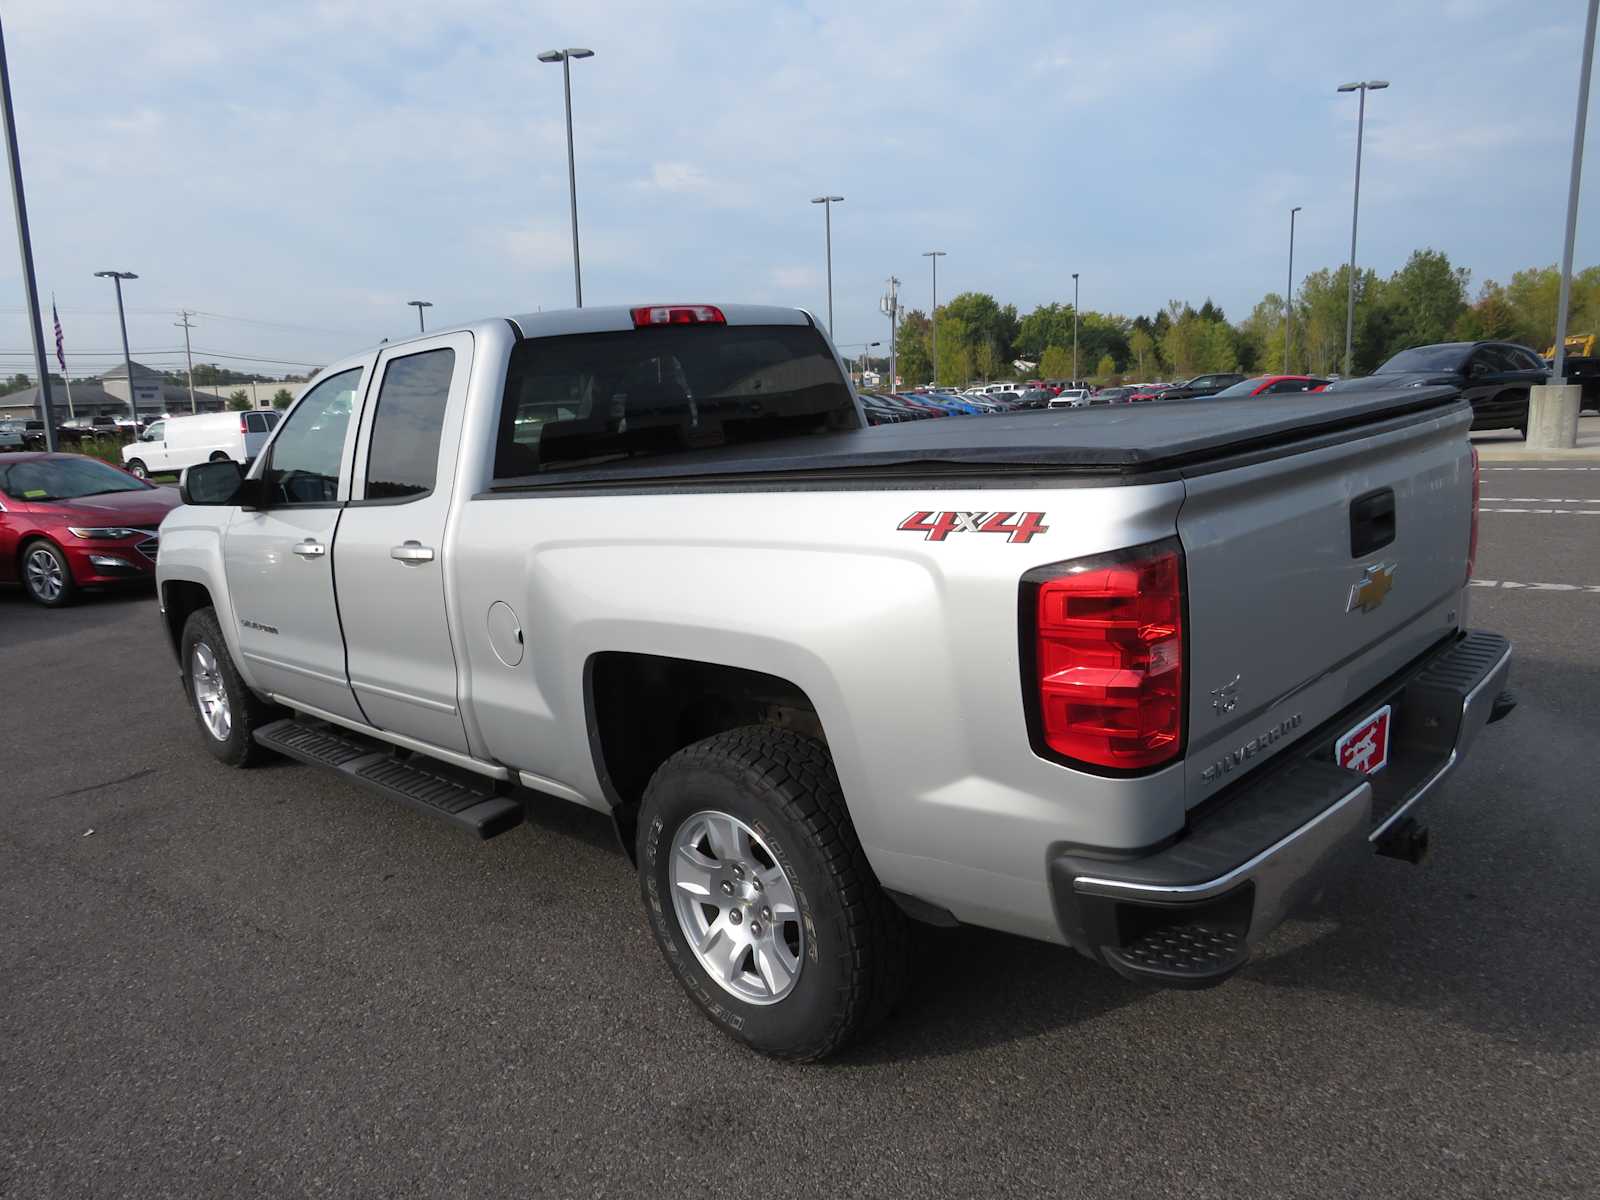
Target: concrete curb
(1497, 446)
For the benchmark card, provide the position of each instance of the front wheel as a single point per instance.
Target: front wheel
(226, 710)
(46, 575)
(218, 456)
(137, 469)
(760, 896)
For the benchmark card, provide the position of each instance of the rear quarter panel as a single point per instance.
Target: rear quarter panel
(908, 648)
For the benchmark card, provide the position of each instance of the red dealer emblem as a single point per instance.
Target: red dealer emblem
(937, 526)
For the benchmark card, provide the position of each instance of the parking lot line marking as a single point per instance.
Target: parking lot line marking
(1548, 512)
(1539, 500)
(1507, 585)
(1541, 468)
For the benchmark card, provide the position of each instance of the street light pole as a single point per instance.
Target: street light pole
(25, 248)
(1559, 374)
(1288, 294)
(565, 57)
(934, 256)
(890, 307)
(1074, 329)
(127, 359)
(419, 305)
(827, 203)
(188, 355)
(1355, 212)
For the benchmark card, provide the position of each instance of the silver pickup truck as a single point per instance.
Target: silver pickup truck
(1124, 679)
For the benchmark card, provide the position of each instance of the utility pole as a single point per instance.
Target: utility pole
(890, 307)
(127, 359)
(1558, 376)
(1074, 329)
(827, 203)
(1288, 294)
(1355, 213)
(933, 256)
(25, 247)
(419, 305)
(188, 355)
(565, 57)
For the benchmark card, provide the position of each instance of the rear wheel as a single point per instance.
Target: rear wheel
(46, 577)
(137, 468)
(218, 456)
(226, 710)
(761, 898)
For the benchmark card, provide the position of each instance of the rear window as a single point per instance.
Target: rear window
(587, 399)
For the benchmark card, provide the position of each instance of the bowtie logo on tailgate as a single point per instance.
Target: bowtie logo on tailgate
(1372, 588)
(937, 526)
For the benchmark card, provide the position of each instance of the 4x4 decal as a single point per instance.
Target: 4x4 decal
(937, 526)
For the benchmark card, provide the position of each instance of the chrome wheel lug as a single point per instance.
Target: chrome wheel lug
(738, 871)
(727, 888)
(735, 916)
(755, 882)
(755, 928)
(766, 914)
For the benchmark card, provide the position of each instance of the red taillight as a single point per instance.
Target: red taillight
(244, 426)
(1108, 658)
(678, 314)
(1472, 540)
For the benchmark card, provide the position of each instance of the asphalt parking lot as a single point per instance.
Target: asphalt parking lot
(268, 983)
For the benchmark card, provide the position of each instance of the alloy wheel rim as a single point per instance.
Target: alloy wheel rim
(44, 575)
(210, 696)
(736, 907)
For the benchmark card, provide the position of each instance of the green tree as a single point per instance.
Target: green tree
(987, 322)
(914, 362)
(1055, 363)
(955, 350)
(282, 398)
(986, 359)
(1106, 367)
(1046, 326)
(239, 401)
(1142, 347)
(1490, 319)
(1426, 298)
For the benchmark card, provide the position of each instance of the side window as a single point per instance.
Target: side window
(304, 464)
(1289, 385)
(155, 432)
(254, 423)
(403, 458)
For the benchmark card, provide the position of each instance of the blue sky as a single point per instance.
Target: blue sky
(316, 166)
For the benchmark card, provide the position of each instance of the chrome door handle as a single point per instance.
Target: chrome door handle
(310, 549)
(411, 552)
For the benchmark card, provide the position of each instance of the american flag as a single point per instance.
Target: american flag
(61, 355)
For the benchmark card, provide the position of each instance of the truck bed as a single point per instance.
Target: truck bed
(1120, 440)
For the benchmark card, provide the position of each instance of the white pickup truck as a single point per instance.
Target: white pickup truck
(1124, 679)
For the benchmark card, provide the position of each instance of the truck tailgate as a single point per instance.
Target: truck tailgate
(1302, 596)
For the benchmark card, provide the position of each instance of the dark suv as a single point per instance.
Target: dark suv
(1201, 385)
(1494, 377)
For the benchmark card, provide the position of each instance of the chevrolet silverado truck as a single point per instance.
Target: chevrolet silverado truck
(1128, 680)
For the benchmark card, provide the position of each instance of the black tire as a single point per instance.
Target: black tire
(855, 955)
(51, 586)
(137, 469)
(218, 456)
(248, 712)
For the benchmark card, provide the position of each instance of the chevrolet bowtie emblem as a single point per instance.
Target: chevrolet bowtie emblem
(1375, 584)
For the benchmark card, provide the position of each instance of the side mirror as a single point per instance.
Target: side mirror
(211, 483)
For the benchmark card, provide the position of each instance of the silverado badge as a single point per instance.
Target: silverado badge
(1369, 591)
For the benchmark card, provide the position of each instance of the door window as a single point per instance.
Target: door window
(403, 458)
(1290, 385)
(154, 433)
(306, 454)
(256, 422)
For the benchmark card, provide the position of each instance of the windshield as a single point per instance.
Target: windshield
(1425, 358)
(1246, 387)
(65, 479)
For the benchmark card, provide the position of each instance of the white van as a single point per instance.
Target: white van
(174, 443)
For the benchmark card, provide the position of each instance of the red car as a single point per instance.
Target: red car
(1272, 385)
(68, 521)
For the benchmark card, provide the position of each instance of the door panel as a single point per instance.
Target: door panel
(279, 558)
(284, 602)
(390, 554)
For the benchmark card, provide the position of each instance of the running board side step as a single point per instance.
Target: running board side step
(476, 807)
